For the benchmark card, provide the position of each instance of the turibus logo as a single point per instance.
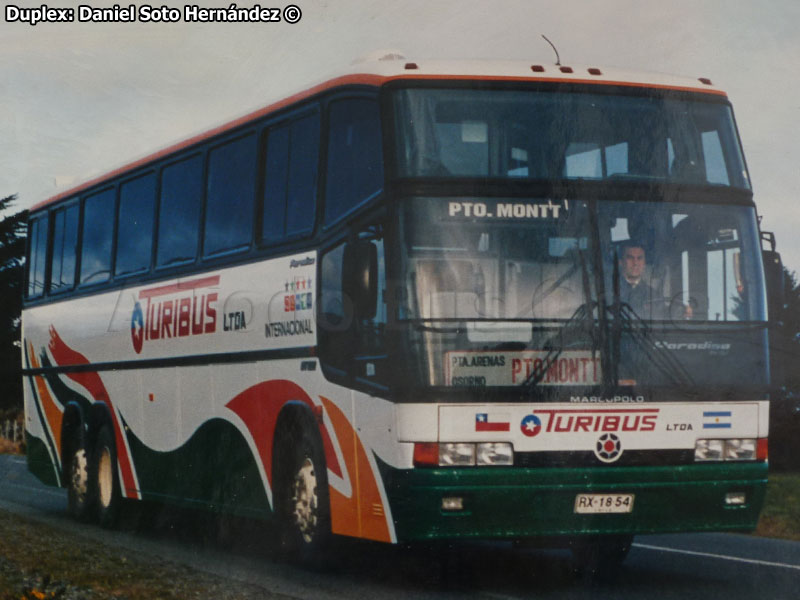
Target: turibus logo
(174, 311)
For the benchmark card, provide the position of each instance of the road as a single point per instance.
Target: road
(703, 566)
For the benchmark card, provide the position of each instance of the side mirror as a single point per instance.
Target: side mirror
(773, 277)
(360, 277)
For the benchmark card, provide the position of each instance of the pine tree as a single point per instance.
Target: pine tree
(12, 258)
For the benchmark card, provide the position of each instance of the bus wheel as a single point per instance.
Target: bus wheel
(301, 502)
(106, 480)
(78, 496)
(601, 558)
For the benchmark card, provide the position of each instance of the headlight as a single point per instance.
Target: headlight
(708, 450)
(732, 450)
(495, 453)
(456, 455)
(740, 449)
(462, 454)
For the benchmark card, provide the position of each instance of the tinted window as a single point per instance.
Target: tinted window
(355, 160)
(65, 246)
(137, 200)
(567, 135)
(179, 211)
(98, 216)
(273, 224)
(291, 179)
(303, 161)
(231, 196)
(38, 251)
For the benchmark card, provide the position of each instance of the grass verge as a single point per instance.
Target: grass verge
(780, 517)
(42, 562)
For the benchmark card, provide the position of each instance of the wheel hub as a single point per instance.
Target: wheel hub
(79, 479)
(305, 502)
(105, 477)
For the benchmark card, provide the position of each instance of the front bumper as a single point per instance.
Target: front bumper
(514, 503)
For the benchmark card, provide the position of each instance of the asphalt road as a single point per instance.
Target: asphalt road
(702, 566)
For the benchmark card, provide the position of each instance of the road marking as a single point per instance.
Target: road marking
(752, 561)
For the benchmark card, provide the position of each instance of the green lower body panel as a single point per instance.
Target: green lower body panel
(39, 461)
(518, 503)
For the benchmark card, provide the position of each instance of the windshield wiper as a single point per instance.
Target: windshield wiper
(582, 320)
(644, 341)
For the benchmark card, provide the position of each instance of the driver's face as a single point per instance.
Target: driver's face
(633, 263)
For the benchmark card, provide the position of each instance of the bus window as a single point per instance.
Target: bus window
(65, 246)
(291, 179)
(303, 161)
(231, 196)
(98, 215)
(179, 213)
(274, 220)
(355, 157)
(137, 201)
(36, 261)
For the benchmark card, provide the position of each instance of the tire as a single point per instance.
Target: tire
(79, 496)
(600, 559)
(301, 495)
(105, 479)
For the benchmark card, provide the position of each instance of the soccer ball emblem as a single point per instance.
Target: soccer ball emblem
(608, 448)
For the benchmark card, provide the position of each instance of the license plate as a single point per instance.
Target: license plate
(603, 503)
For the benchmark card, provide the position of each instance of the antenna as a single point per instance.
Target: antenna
(558, 58)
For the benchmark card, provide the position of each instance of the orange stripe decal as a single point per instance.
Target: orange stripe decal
(54, 413)
(363, 515)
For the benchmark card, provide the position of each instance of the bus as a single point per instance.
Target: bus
(432, 300)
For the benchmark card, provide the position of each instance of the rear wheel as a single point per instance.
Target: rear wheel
(77, 471)
(301, 495)
(106, 480)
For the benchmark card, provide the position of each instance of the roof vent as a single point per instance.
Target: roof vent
(410, 66)
(595, 71)
(537, 68)
(705, 80)
(566, 69)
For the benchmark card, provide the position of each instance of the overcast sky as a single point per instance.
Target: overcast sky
(78, 99)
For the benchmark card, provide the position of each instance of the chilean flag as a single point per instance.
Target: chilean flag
(495, 422)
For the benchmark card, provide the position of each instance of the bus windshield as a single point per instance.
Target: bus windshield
(569, 275)
(566, 136)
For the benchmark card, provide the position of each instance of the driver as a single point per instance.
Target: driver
(634, 290)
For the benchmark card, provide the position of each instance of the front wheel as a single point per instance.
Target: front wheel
(301, 500)
(106, 480)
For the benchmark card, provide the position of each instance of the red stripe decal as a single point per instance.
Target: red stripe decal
(64, 355)
(259, 407)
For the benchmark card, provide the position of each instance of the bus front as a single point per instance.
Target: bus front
(578, 323)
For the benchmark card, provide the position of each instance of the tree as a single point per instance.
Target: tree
(12, 258)
(785, 366)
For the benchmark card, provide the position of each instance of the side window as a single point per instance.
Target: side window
(355, 156)
(137, 202)
(290, 190)
(302, 185)
(36, 260)
(179, 211)
(98, 230)
(230, 198)
(65, 247)
(273, 224)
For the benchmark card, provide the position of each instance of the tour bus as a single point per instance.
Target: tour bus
(418, 301)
